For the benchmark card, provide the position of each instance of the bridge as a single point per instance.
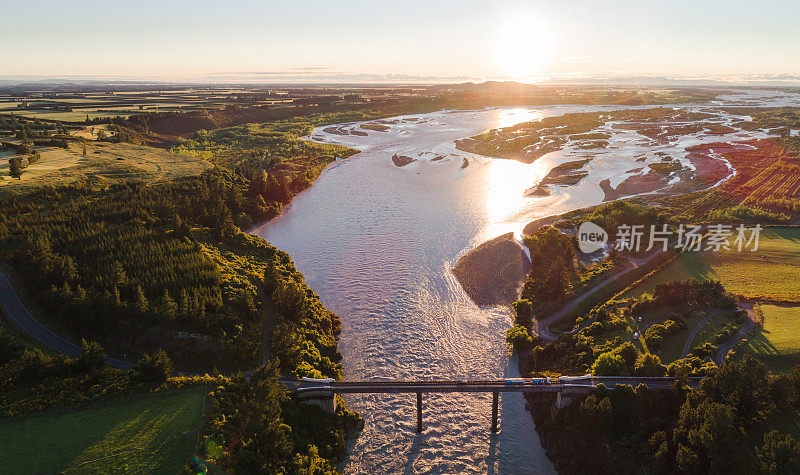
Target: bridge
(322, 392)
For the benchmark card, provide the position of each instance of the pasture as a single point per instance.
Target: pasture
(771, 272)
(777, 344)
(156, 434)
(112, 162)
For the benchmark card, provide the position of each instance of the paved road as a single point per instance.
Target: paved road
(687, 345)
(578, 383)
(543, 325)
(21, 316)
(749, 324)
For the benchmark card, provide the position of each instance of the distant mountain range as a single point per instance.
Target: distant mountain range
(343, 80)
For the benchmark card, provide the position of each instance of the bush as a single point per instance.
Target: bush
(655, 334)
(243, 221)
(519, 338)
(706, 350)
(153, 369)
(609, 364)
(93, 356)
(779, 454)
(523, 311)
(649, 365)
(23, 149)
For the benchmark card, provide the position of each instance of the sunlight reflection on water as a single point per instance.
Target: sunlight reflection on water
(377, 243)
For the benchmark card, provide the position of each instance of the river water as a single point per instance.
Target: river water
(377, 243)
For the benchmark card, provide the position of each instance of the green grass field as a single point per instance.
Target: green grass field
(713, 327)
(773, 271)
(778, 343)
(113, 162)
(672, 346)
(152, 435)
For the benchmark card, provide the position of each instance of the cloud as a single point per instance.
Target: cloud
(322, 75)
(774, 77)
(289, 71)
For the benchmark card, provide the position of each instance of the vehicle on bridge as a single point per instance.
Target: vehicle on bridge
(523, 381)
(318, 380)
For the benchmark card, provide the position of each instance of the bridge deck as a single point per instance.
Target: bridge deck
(584, 383)
(566, 387)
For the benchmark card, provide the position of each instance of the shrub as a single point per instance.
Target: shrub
(523, 311)
(153, 369)
(609, 364)
(649, 365)
(23, 149)
(93, 356)
(519, 338)
(779, 454)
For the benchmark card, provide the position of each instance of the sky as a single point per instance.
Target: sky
(400, 41)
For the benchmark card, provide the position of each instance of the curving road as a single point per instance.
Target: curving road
(543, 325)
(749, 324)
(21, 316)
(687, 345)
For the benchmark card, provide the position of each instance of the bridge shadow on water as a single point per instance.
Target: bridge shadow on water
(514, 449)
(414, 452)
(491, 459)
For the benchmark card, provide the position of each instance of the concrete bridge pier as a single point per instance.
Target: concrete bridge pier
(419, 412)
(563, 400)
(566, 397)
(495, 404)
(323, 398)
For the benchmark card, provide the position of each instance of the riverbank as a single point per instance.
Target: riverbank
(377, 242)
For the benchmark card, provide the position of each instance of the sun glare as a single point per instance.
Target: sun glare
(522, 47)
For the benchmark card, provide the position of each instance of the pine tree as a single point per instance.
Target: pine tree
(167, 305)
(15, 167)
(139, 300)
(184, 303)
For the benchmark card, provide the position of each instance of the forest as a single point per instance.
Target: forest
(725, 426)
(162, 271)
(740, 420)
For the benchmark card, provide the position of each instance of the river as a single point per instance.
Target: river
(377, 243)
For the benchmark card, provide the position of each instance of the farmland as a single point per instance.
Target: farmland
(776, 263)
(777, 344)
(107, 161)
(156, 434)
(77, 106)
(768, 177)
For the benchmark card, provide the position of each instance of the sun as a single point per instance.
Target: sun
(522, 47)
